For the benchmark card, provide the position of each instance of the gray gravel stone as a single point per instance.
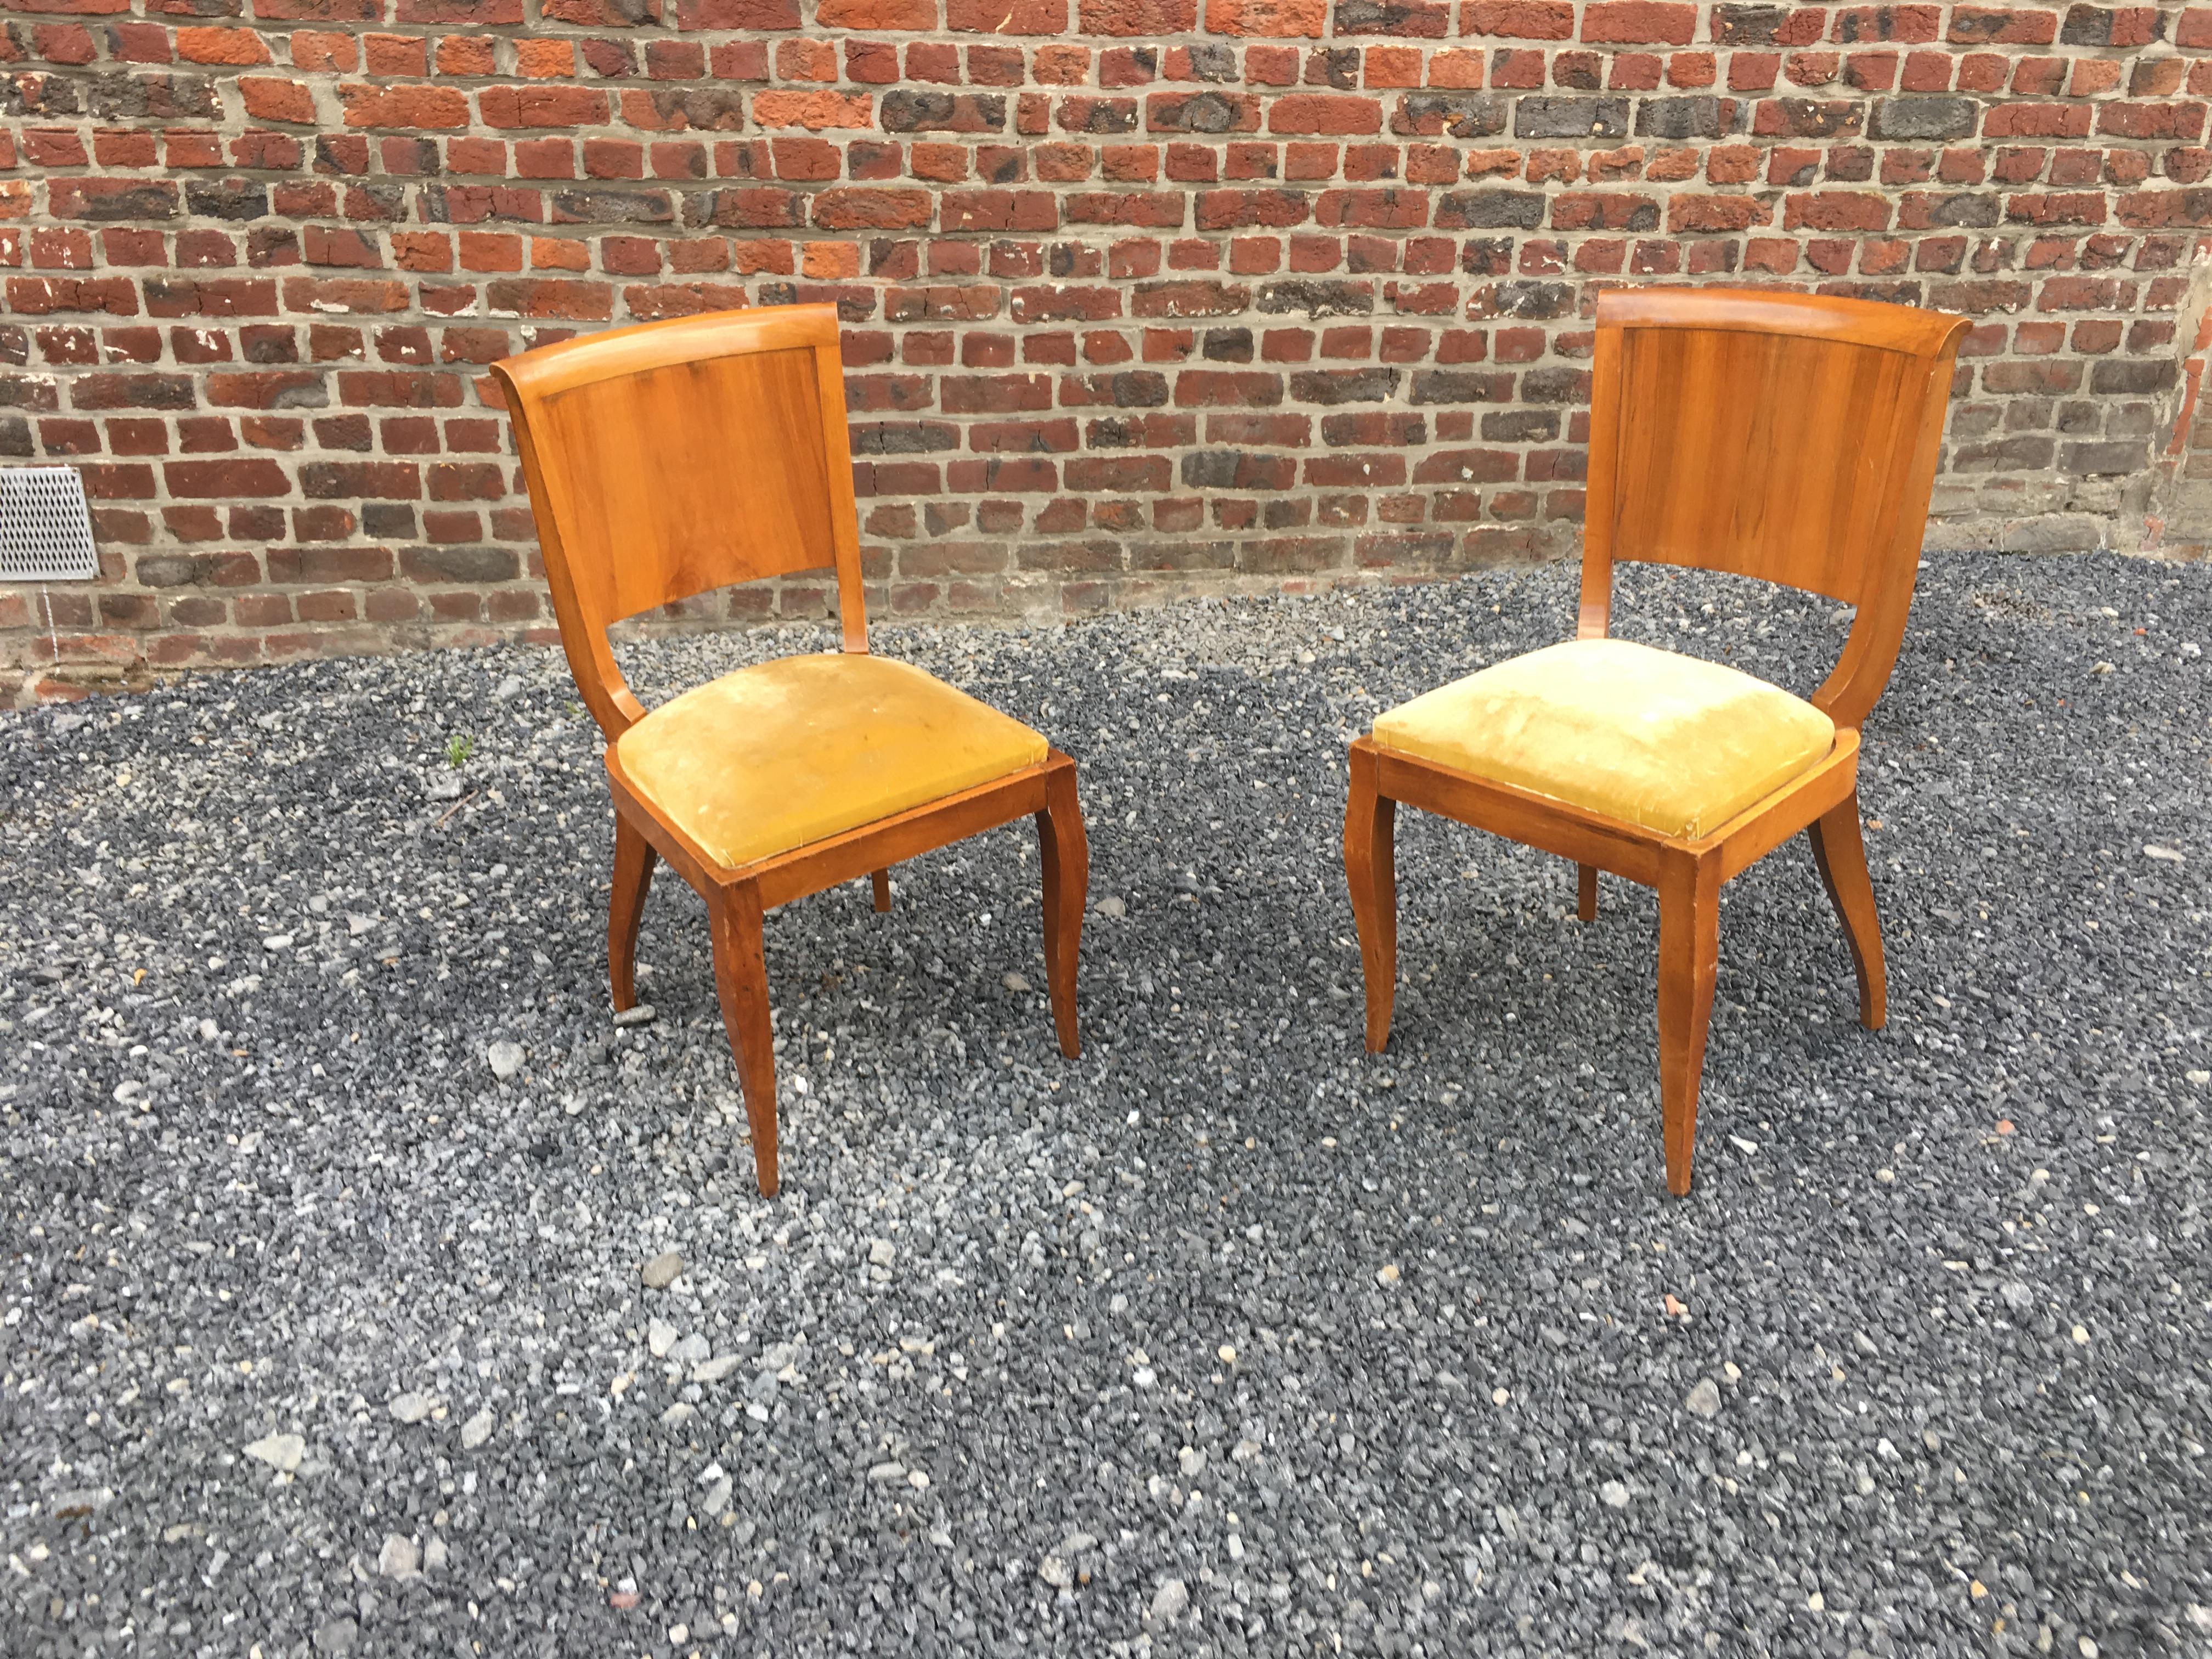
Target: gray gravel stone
(399, 1559)
(661, 1271)
(322, 1198)
(505, 1059)
(411, 1408)
(279, 1452)
(1169, 1603)
(1705, 1399)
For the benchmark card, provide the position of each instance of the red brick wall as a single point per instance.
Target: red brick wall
(1143, 295)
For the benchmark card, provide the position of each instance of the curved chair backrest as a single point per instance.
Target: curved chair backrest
(671, 458)
(1789, 437)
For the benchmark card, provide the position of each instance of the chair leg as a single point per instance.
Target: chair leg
(882, 882)
(1066, 859)
(634, 861)
(1370, 870)
(1586, 891)
(733, 914)
(1841, 855)
(1689, 958)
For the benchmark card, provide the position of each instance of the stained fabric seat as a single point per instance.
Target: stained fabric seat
(1673, 743)
(788, 752)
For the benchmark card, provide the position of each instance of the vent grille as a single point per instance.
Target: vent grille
(45, 532)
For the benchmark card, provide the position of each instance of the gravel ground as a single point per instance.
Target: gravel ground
(366, 1289)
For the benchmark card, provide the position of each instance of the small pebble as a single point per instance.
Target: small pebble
(279, 1452)
(661, 1273)
(399, 1559)
(411, 1408)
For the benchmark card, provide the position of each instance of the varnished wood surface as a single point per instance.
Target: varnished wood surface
(634, 861)
(1792, 438)
(672, 458)
(1066, 858)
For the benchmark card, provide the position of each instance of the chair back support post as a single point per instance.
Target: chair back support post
(670, 459)
(1792, 438)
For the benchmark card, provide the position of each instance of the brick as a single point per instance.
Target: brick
(1668, 22)
(1136, 290)
(1268, 18)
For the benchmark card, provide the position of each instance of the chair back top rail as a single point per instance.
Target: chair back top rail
(670, 459)
(1789, 437)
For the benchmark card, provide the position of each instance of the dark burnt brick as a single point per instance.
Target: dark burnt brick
(2120, 376)
(1924, 119)
(1556, 386)
(1967, 208)
(1412, 20)
(1748, 26)
(1532, 299)
(1520, 426)
(2096, 460)
(1201, 111)
(610, 207)
(1457, 114)
(226, 199)
(2105, 25)
(904, 437)
(1212, 63)
(1576, 119)
(1317, 297)
(1227, 345)
(1811, 117)
(1328, 387)
(1491, 210)
(1681, 118)
(471, 565)
(1462, 386)
(908, 111)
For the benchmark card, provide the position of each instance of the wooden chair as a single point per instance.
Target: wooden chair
(1785, 437)
(675, 457)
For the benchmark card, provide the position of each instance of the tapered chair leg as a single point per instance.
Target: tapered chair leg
(881, 879)
(1839, 851)
(1689, 960)
(1586, 891)
(1066, 859)
(1370, 870)
(634, 861)
(741, 983)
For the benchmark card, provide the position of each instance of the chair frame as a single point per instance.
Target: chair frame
(1822, 801)
(739, 895)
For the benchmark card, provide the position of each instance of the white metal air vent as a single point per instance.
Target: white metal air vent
(45, 533)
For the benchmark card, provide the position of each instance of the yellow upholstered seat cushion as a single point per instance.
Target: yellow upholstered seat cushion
(1670, 741)
(795, 751)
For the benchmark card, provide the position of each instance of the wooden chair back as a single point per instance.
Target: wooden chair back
(672, 458)
(1789, 437)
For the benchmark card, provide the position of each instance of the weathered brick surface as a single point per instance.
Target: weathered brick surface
(1142, 295)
